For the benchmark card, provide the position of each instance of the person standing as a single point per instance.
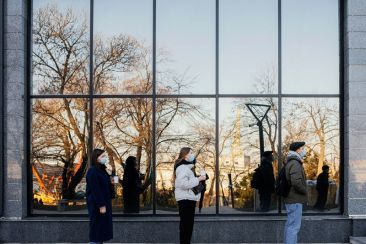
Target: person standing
(132, 186)
(295, 175)
(99, 192)
(322, 185)
(185, 180)
(266, 188)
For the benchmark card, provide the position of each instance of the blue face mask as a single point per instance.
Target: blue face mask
(190, 157)
(303, 153)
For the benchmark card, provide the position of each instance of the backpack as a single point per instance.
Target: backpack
(256, 181)
(282, 185)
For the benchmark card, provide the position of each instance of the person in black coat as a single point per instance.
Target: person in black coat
(99, 192)
(267, 181)
(132, 186)
(322, 185)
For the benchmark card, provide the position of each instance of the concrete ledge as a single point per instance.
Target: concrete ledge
(357, 240)
(165, 230)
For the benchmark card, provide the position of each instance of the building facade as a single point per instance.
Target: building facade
(148, 77)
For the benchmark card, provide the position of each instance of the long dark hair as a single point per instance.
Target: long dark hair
(95, 155)
(182, 154)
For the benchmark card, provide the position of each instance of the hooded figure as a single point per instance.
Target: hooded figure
(132, 187)
(267, 181)
(322, 185)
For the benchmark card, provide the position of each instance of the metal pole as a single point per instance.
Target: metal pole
(231, 191)
(261, 139)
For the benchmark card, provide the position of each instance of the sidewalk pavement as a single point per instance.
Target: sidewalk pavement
(151, 243)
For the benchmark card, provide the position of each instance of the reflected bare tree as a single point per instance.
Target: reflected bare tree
(122, 126)
(317, 122)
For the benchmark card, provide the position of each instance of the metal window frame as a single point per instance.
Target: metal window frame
(27, 110)
(2, 100)
(217, 96)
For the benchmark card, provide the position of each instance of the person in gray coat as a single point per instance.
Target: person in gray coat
(295, 175)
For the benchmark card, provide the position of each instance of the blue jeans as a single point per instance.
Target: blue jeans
(293, 223)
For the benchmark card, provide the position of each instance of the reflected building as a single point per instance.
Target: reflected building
(235, 162)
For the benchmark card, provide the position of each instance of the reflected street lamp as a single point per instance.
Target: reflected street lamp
(259, 111)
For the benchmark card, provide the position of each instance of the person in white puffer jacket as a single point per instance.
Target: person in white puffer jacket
(185, 180)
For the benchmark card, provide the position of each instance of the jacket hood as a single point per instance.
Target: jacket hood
(292, 155)
(266, 161)
(189, 166)
(183, 162)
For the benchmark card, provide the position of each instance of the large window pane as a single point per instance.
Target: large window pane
(239, 151)
(59, 155)
(122, 127)
(60, 51)
(185, 46)
(248, 46)
(123, 47)
(315, 121)
(184, 123)
(310, 56)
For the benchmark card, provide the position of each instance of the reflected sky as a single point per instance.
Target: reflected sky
(248, 39)
(79, 6)
(310, 61)
(248, 43)
(186, 32)
(129, 17)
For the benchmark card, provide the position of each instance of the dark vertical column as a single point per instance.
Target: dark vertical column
(1, 109)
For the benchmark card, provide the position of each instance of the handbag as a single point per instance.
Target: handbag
(198, 189)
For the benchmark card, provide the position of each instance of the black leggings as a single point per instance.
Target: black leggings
(186, 214)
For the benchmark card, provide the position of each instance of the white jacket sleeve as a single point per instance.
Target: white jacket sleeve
(183, 181)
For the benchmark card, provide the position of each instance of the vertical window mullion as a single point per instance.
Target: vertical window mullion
(91, 90)
(279, 54)
(154, 111)
(217, 170)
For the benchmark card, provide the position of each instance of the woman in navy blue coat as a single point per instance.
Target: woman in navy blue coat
(99, 192)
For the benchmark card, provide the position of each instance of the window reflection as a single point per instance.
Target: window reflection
(315, 121)
(59, 154)
(60, 51)
(184, 122)
(123, 47)
(122, 127)
(185, 64)
(240, 152)
(186, 46)
(310, 47)
(248, 46)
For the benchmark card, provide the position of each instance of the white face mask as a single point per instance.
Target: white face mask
(103, 160)
(303, 153)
